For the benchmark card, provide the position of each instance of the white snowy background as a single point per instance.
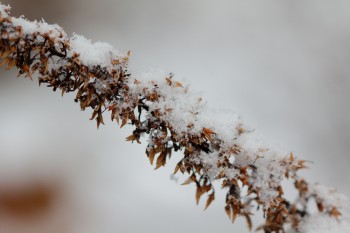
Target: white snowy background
(283, 65)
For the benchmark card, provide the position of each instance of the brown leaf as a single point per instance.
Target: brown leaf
(189, 180)
(111, 107)
(5, 61)
(153, 97)
(161, 160)
(210, 199)
(151, 154)
(132, 138)
(228, 211)
(125, 120)
(11, 64)
(207, 133)
(280, 190)
(178, 84)
(62, 91)
(27, 70)
(249, 221)
(100, 117)
(291, 157)
(115, 62)
(199, 192)
(169, 81)
(117, 119)
(335, 212)
(94, 114)
(6, 53)
(234, 216)
(177, 168)
(86, 82)
(320, 206)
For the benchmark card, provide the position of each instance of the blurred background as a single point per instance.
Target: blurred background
(283, 65)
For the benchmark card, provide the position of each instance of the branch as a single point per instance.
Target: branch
(215, 146)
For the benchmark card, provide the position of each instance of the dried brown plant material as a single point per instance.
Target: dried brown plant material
(214, 146)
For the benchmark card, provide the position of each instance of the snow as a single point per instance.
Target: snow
(267, 159)
(209, 160)
(187, 114)
(3, 9)
(54, 31)
(322, 223)
(330, 197)
(183, 109)
(92, 54)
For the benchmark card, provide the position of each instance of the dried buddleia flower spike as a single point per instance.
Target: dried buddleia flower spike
(212, 147)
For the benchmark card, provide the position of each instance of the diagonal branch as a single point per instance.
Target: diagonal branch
(215, 145)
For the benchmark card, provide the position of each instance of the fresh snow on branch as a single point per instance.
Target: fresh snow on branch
(216, 145)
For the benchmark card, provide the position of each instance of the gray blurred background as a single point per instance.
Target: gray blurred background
(283, 65)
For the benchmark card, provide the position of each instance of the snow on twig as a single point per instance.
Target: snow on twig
(215, 145)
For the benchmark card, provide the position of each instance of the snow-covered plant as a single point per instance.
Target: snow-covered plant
(215, 146)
